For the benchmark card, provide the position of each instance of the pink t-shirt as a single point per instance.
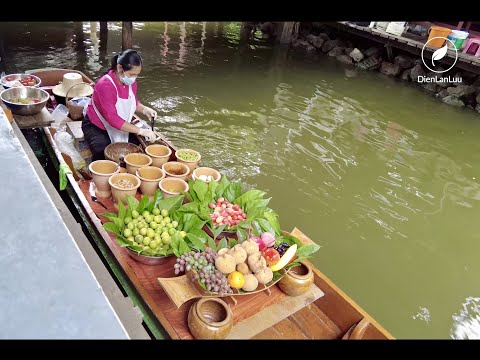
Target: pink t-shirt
(105, 97)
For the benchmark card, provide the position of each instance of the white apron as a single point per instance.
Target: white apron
(125, 109)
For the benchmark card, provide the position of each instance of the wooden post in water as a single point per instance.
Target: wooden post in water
(287, 32)
(103, 27)
(103, 39)
(127, 35)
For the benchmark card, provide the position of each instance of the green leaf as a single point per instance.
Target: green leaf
(120, 224)
(241, 235)
(122, 211)
(143, 204)
(216, 230)
(192, 207)
(157, 196)
(272, 218)
(110, 226)
(196, 242)
(222, 244)
(210, 195)
(247, 199)
(231, 242)
(204, 287)
(276, 276)
(132, 204)
(171, 203)
(175, 245)
(122, 241)
(222, 185)
(266, 226)
(201, 188)
(110, 216)
(232, 191)
(306, 250)
(202, 235)
(211, 243)
(256, 228)
(191, 221)
(183, 247)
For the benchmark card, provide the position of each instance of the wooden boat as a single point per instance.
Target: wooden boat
(263, 315)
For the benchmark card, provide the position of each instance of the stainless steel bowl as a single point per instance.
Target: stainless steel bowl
(12, 77)
(23, 93)
(148, 260)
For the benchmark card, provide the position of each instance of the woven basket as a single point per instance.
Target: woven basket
(75, 112)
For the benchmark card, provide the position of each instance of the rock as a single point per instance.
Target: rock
(477, 107)
(468, 78)
(349, 72)
(348, 50)
(356, 55)
(461, 90)
(330, 44)
(310, 38)
(442, 94)
(452, 100)
(390, 69)
(406, 75)
(403, 61)
(318, 42)
(431, 74)
(268, 28)
(415, 72)
(432, 87)
(311, 48)
(478, 99)
(338, 50)
(373, 51)
(372, 63)
(476, 83)
(417, 62)
(323, 36)
(345, 59)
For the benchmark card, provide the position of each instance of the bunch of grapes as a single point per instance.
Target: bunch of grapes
(204, 265)
(282, 248)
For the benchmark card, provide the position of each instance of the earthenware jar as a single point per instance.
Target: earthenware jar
(191, 164)
(206, 171)
(101, 171)
(159, 154)
(297, 280)
(123, 184)
(210, 318)
(150, 177)
(172, 186)
(176, 169)
(135, 161)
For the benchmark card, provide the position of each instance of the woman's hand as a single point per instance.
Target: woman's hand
(148, 134)
(149, 112)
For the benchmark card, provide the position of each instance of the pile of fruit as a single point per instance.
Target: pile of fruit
(224, 212)
(152, 231)
(243, 266)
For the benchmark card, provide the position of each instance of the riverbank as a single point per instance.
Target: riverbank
(455, 87)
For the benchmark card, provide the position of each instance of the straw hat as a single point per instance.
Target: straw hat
(69, 80)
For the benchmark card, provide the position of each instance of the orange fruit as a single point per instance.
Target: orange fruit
(236, 280)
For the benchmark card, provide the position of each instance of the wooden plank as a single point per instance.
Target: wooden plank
(315, 324)
(273, 314)
(42, 119)
(288, 330)
(268, 334)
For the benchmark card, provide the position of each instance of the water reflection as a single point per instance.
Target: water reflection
(466, 323)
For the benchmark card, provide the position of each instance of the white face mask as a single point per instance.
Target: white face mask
(128, 80)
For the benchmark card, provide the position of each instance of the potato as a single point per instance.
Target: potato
(238, 253)
(250, 246)
(225, 263)
(256, 262)
(251, 282)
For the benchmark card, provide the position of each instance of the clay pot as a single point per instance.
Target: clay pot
(101, 171)
(176, 169)
(120, 193)
(135, 161)
(297, 280)
(191, 164)
(172, 186)
(210, 318)
(207, 172)
(150, 177)
(160, 154)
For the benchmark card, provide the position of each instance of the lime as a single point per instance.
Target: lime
(139, 238)
(130, 226)
(158, 230)
(157, 237)
(127, 233)
(146, 241)
(162, 223)
(166, 240)
(140, 225)
(135, 214)
(164, 213)
(131, 239)
(156, 211)
(135, 243)
(135, 232)
(167, 220)
(135, 221)
(143, 231)
(164, 234)
(153, 225)
(169, 226)
(153, 244)
(175, 224)
(127, 220)
(164, 229)
(151, 233)
(158, 218)
(145, 213)
(140, 218)
(172, 231)
(182, 234)
(148, 219)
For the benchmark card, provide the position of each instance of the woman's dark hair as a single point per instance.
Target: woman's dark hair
(128, 58)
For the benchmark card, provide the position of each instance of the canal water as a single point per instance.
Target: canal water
(380, 174)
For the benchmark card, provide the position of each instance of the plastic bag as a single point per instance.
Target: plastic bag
(81, 101)
(65, 144)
